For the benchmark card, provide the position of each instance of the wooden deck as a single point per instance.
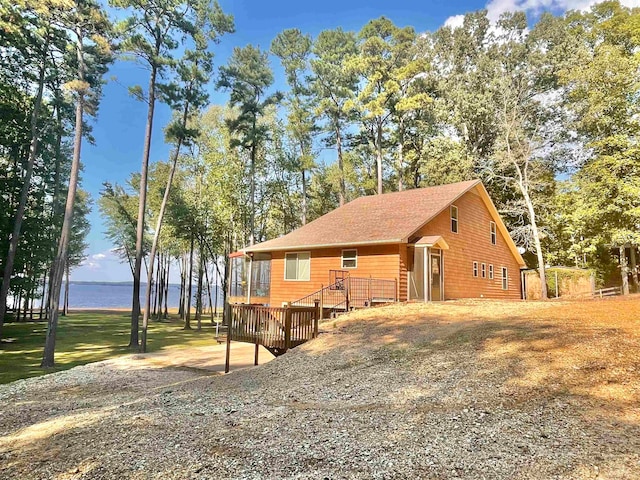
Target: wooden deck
(276, 328)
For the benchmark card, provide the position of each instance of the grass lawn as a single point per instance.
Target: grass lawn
(85, 337)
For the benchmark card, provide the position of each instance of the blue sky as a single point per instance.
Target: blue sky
(119, 128)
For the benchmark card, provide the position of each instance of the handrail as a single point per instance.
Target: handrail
(352, 292)
(331, 296)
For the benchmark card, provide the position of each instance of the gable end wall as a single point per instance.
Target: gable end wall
(473, 243)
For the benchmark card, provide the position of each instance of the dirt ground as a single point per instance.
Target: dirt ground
(468, 389)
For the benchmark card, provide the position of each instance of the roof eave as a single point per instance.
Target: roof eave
(257, 248)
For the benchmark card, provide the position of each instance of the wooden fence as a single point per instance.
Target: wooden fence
(561, 282)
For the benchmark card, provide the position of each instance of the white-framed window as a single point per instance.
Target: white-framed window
(490, 271)
(483, 270)
(505, 278)
(349, 259)
(297, 266)
(494, 233)
(475, 269)
(454, 218)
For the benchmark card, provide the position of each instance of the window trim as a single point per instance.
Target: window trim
(491, 271)
(505, 278)
(483, 270)
(493, 229)
(285, 267)
(355, 258)
(475, 269)
(456, 219)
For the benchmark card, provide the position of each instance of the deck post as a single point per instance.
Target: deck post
(321, 311)
(287, 327)
(228, 314)
(255, 360)
(347, 289)
(317, 316)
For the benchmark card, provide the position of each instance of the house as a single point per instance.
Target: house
(427, 244)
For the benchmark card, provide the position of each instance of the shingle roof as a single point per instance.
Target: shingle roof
(387, 218)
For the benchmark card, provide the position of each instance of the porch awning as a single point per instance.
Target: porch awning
(433, 241)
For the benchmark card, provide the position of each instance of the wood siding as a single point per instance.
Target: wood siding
(471, 244)
(379, 261)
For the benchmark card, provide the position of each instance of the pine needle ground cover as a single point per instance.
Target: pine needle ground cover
(465, 389)
(85, 337)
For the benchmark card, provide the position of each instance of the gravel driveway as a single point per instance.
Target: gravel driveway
(475, 390)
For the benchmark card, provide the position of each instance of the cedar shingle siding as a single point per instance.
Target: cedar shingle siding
(471, 244)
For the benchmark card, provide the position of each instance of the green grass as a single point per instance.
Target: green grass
(86, 337)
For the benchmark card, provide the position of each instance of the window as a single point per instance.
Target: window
(475, 269)
(297, 266)
(505, 279)
(490, 272)
(454, 219)
(349, 259)
(484, 270)
(494, 235)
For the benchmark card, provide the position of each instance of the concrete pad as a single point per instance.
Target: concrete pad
(210, 358)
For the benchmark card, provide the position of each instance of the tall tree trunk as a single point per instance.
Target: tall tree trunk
(634, 268)
(187, 317)
(624, 269)
(166, 288)
(304, 197)
(401, 155)
(154, 287)
(252, 193)
(142, 205)
(379, 155)
(536, 240)
(208, 280)
(304, 184)
(156, 235)
(24, 192)
(44, 293)
(65, 308)
(63, 245)
(160, 287)
(183, 284)
(199, 289)
(342, 194)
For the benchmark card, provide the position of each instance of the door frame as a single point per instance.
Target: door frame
(426, 272)
(436, 253)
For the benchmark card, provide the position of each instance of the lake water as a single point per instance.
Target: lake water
(117, 295)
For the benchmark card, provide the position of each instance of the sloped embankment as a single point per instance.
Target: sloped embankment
(459, 390)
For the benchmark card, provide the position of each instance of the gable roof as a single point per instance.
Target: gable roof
(380, 219)
(387, 218)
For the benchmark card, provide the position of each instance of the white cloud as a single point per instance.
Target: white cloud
(99, 256)
(91, 265)
(495, 8)
(454, 21)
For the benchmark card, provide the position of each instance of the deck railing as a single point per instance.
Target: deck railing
(352, 292)
(333, 296)
(276, 328)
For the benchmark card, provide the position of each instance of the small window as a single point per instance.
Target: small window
(505, 279)
(349, 259)
(297, 266)
(454, 219)
(475, 269)
(490, 271)
(494, 235)
(484, 270)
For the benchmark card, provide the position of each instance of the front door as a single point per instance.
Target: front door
(435, 277)
(417, 278)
